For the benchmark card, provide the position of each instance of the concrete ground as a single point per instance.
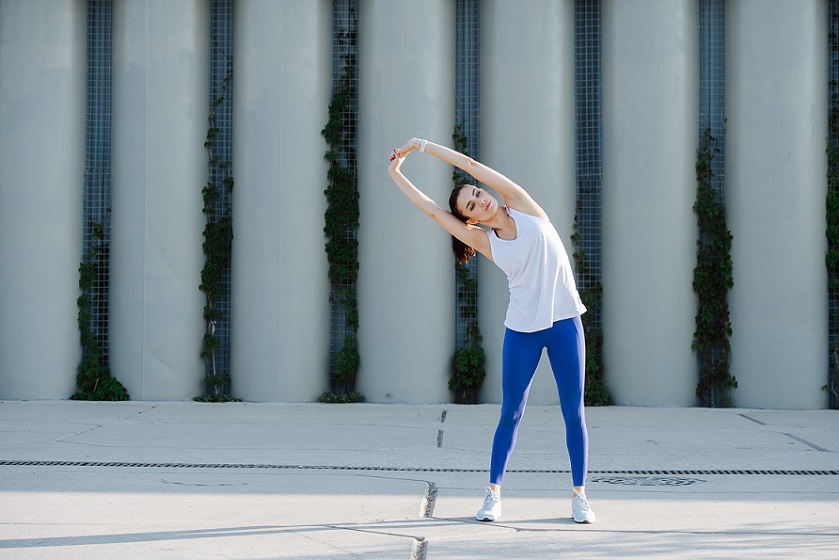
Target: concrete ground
(182, 480)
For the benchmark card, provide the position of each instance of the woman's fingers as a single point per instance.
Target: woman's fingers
(401, 153)
(395, 160)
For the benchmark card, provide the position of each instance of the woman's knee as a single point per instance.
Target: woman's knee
(510, 417)
(574, 418)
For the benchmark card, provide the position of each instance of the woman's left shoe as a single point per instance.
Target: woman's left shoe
(491, 509)
(581, 510)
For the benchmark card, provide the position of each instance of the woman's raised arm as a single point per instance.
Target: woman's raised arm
(513, 194)
(472, 236)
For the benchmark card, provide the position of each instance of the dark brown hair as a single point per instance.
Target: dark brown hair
(462, 251)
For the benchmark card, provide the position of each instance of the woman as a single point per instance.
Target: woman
(544, 309)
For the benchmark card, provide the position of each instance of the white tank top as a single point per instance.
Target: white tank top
(541, 282)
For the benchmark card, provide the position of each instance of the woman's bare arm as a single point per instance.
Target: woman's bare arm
(472, 236)
(513, 194)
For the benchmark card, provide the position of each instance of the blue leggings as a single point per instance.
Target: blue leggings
(567, 353)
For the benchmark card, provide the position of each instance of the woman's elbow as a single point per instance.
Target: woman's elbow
(434, 212)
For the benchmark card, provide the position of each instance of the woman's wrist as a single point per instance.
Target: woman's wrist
(423, 144)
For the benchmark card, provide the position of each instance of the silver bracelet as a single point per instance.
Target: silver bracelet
(422, 145)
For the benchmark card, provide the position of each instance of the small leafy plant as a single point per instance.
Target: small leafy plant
(468, 367)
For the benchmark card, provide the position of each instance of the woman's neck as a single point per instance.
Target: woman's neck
(503, 225)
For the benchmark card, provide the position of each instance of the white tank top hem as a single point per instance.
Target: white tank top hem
(539, 275)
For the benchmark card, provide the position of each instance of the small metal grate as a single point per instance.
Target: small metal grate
(221, 91)
(96, 196)
(646, 473)
(646, 480)
(833, 133)
(588, 144)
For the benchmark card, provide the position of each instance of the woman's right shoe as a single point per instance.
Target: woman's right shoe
(491, 509)
(581, 510)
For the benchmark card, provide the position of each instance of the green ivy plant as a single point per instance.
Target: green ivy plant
(468, 365)
(832, 207)
(217, 245)
(595, 393)
(712, 279)
(468, 371)
(341, 222)
(93, 378)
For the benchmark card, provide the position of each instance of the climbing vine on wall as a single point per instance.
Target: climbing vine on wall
(93, 378)
(832, 207)
(832, 257)
(591, 294)
(713, 277)
(468, 367)
(218, 241)
(341, 225)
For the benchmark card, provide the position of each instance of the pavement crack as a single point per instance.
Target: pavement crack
(76, 434)
(753, 419)
(418, 549)
(139, 412)
(429, 498)
(805, 442)
(373, 531)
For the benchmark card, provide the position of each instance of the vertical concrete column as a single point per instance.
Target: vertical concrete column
(42, 109)
(650, 103)
(527, 133)
(160, 77)
(775, 185)
(280, 299)
(406, 288)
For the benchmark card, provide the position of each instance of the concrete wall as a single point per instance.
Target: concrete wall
(775, 184)
(650, 104)
(42, 119)
(280, 312)
(531, 142)
(160, 76)
(775, 187)
(406, 279)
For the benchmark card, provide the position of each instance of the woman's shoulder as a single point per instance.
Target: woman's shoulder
(515, 213)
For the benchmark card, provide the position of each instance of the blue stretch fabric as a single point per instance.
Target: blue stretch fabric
(520, 356)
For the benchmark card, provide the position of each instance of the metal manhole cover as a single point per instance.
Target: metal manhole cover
(646, 480)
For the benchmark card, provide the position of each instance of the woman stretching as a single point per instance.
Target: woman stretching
(544, 309)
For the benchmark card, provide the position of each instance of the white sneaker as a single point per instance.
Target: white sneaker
(581, 510)
(491, 509)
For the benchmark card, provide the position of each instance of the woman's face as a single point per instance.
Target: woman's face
(476, 204)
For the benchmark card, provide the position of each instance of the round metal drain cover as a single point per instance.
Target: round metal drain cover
(646, 480)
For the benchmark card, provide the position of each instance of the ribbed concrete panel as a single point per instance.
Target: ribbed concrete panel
(775, 172)
(527, 133)
(405, 291)
(650, 107)
(42, 112)
(280, 292)
(160, 76)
